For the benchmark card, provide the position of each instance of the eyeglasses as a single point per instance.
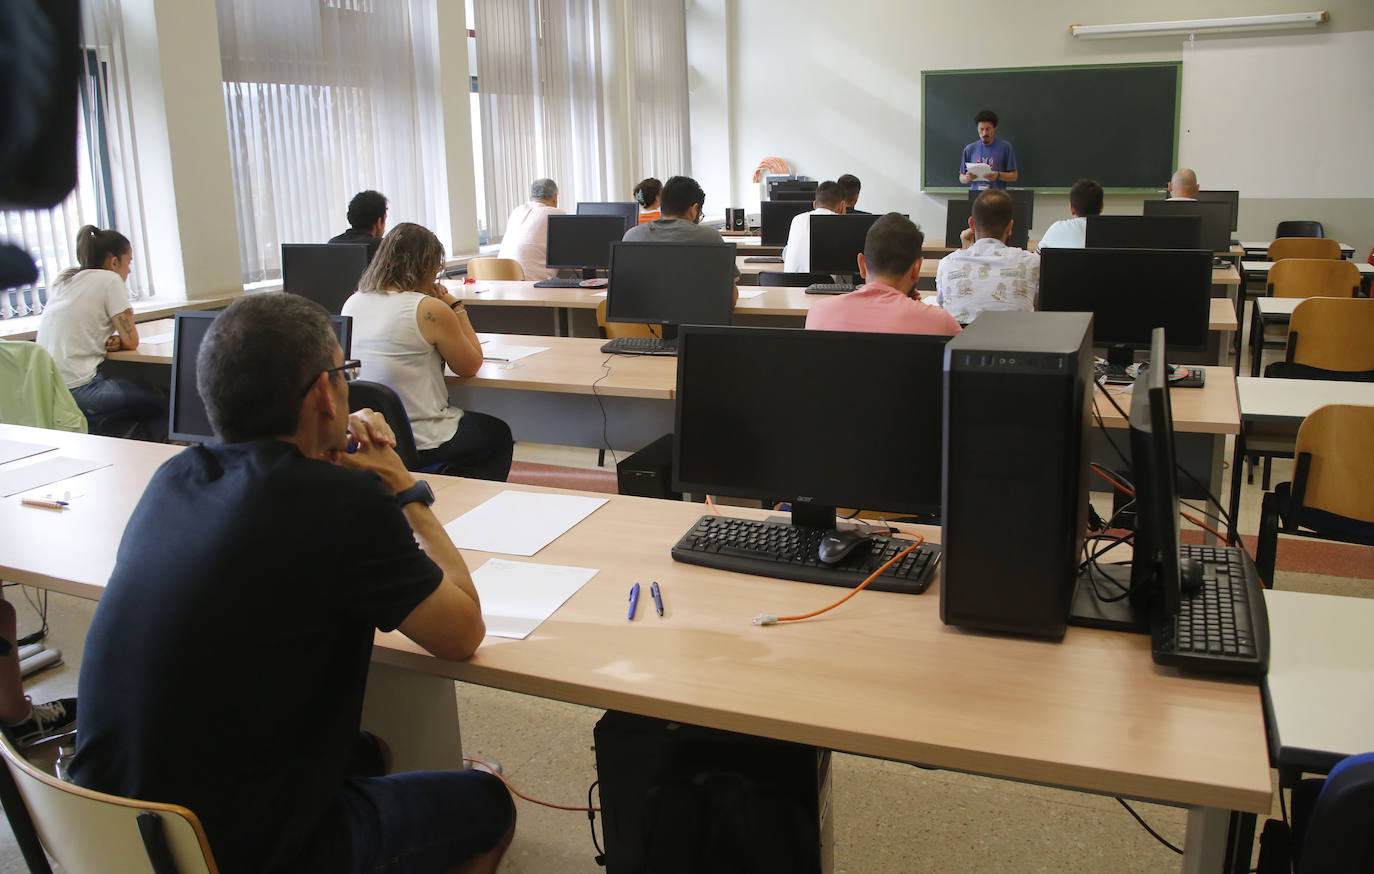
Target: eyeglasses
(350, 369)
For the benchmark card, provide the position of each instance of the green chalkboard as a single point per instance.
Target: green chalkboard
(1117, 124)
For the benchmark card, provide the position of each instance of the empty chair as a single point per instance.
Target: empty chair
(612, 330)
(1314, 277)
(792, 280)
(1304, 247)
(1329, 338)
(1298, 228)
(496, 268)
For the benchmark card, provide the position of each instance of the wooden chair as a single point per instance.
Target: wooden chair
(1299, 228)
(1329, 338)
(1304, 247)
(496, 268)
(90, 832)
(611, 330)
(1332, 492)
(1301, 277)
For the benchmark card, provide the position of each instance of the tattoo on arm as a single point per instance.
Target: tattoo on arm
(429, 317)
(124, 324)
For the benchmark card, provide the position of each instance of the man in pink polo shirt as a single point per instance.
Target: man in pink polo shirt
(887, 303)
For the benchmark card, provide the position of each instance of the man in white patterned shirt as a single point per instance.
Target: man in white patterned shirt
(989, 275)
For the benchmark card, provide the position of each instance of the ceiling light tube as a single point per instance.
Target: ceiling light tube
(1200, 25)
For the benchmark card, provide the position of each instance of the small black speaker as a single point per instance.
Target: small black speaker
(1018, 406)
(734, 219)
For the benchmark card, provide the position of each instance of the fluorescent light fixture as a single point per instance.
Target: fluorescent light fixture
(1200, 25)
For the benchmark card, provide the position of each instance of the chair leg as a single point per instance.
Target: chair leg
(1266, 549)
(1250, 462)
(600, 458)
(1268, 469)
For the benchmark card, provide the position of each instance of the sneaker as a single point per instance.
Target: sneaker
(45, 721)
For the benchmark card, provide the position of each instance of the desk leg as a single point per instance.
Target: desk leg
(1204, 845)
(1237, 473)
(417, 715)
(1256, 339)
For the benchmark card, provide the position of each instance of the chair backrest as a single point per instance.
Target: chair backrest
(1314, 277)
(381, 398)
(792, 280)
(612, 330)
(1340, 833)
(1340, 479)
(32, 391)
(495, 268)
(1303, 247)
(1299, 228)
(92, 833)
(1332, 333)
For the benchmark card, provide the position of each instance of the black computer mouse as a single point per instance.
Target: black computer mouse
(838, 544)
(1190, 575)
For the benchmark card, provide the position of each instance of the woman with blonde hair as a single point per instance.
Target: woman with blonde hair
(87, 315)
(406, 327)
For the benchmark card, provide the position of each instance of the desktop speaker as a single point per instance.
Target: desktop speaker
(1018, 406)
(734, 219)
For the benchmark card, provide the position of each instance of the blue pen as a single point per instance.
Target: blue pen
(658, 598)
(634, 601)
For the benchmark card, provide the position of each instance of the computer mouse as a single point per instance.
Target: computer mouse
(836, 545)
(1190, 575)
(594, 283)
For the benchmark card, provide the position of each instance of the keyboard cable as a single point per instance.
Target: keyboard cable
(769, 619)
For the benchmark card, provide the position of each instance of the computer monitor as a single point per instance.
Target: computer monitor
(1022, 201)
(766, 413)
(1130, 292)
(837, 240)
(1216, 219)
(326, 273)
(775, 219)
(188, 421)
(1144, 232)
(583, 242)
(793, 189)
(628, 211)
(1231, 198)
(1156, 571)
(957, 214)
(671, 284)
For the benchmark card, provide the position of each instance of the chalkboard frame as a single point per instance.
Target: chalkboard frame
(957, 189)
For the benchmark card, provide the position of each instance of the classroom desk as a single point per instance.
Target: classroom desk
(1257, 249)
(1266, 311)
(879, 677)
(26, 327)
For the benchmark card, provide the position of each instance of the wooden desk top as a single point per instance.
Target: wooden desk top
(1257, 267)
(1212, 409)
(26, 327)
(1292, 400)
(880, 676)
(1227, 275)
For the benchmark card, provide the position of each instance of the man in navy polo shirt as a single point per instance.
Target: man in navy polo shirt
(987, 149)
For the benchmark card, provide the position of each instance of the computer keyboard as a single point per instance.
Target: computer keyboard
(763, 259)
(1116, 374)
(639, 346)
(1223, 627)
(555, 282)
(788, 552)
(829, 288)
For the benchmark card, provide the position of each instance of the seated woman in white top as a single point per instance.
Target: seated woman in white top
(406, 327)
(87, 315)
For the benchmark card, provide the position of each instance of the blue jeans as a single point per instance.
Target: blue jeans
(119, 407)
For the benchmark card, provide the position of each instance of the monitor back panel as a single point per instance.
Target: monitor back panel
(326, 273)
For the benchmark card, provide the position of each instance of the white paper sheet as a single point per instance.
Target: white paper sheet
(519, 523)
(12, 482)
(978, 171)
(155, 338)
(517, 596)
(751, 293)
(13, 450)
(495, 352)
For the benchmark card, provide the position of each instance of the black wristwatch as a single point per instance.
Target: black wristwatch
(418, 493)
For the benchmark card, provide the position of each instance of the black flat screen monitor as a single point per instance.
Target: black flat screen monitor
(837, 240)
(327, 273)
(1230, 198)
(775, 219)
(793, 189)
(743, 430)
(1144, 232)
(1130, 292)
(583, 242)
(671, 284)
(1156, 570)
(1216, 219)
(628, 211)
(188, 421)
(1022, 202)
(957, 214)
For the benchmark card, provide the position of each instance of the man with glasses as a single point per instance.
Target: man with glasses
(226, 664)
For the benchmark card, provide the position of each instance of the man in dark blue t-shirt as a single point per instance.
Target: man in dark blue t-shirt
(993, 160)
(226, 663)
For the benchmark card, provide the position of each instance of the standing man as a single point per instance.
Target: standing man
(366, 220)
(527, 231)
(1184, 184)
(997, 154)
(796, 255)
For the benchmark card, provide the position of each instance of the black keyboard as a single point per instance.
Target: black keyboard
(1223, 627)
(770, 549)
(555, 282)
(763, 259)
(829, 288)
(639, 346)
(1116, 375)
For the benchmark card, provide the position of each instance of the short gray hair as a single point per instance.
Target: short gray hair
(543, 189)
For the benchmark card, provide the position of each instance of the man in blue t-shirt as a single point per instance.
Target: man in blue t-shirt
(997, 154)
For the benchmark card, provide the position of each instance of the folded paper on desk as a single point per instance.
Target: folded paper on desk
(519, 523)
(12, 482)
(13, 450)
(507, 354)
(517, 596)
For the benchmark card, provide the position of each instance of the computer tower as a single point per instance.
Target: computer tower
(1018, 406)
(648, 473)
(681, 799)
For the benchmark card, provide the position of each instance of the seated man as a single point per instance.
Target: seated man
(681, 202)
(1085, 199)
(1184, 185)
(850, 186)
(887, 303)
(796, 257)
(527, 231)
(367, 221)
(225, 668)
(989, 275)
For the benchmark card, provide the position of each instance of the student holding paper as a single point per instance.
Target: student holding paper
(988, 162)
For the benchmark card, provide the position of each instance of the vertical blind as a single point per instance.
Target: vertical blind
(658, 30)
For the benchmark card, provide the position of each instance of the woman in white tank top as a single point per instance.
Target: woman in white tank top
(406, 327)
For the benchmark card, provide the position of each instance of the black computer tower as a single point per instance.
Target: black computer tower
(648, 473)
(682, 799)
(1018, 406)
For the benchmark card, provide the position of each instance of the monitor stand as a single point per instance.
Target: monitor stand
(814, 516)
(1130, 614)
(1121, 356)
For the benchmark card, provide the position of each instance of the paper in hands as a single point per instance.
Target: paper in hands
(978, 171)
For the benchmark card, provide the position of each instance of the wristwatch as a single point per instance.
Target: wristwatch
(457, 306)
(418, 493)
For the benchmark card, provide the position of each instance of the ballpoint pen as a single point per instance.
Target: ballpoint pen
(45, 504)
(658, 597)
(634, 600)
